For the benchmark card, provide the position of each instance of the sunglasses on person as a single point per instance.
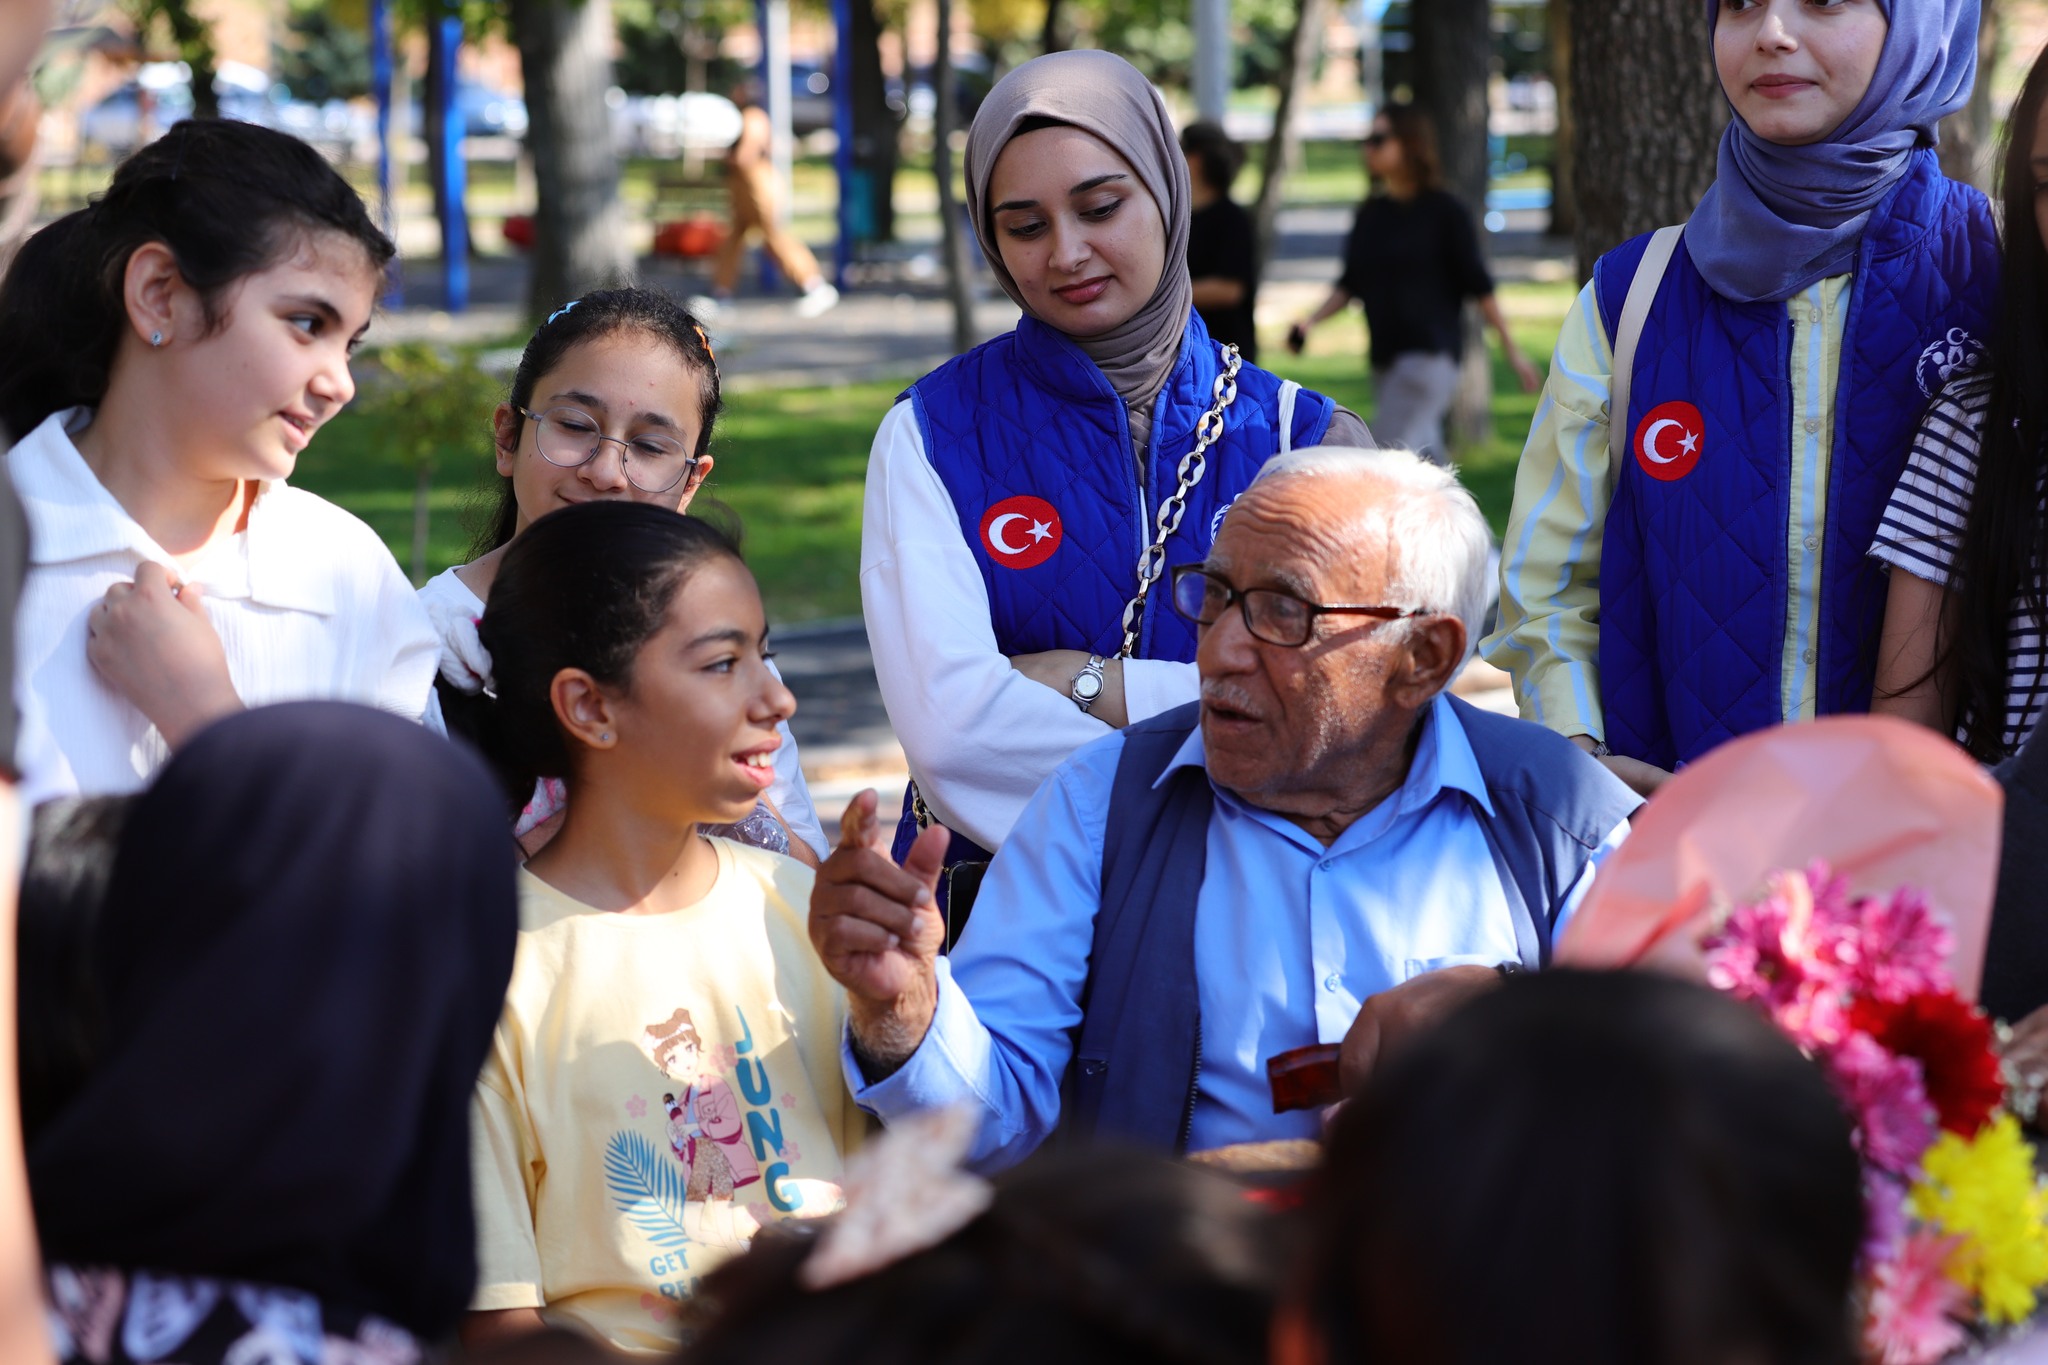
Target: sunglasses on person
(570, 437)
(1278, 618)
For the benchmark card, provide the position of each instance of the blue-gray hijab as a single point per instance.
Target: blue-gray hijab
(1778, 218)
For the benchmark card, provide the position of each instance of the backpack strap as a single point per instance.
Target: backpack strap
(1642, 291)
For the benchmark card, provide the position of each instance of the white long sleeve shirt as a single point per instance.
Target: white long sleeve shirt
(979, 735)
(308, 603)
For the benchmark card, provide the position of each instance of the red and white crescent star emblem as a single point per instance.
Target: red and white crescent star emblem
(1021, 532)
(1669, 440)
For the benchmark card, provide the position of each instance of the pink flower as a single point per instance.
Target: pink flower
(787, 1101)
(636, 1108)
(791, 1151)
(726, 1057)
(1913, 1304)
(1782, 955)
(1888, 1100)
(1884, 1218)
(657, 1307)
(1902, 947)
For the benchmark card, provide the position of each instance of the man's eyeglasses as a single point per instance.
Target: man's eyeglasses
(1278, 618)
(569, 437)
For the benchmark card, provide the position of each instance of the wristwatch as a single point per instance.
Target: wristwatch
(1088, 682)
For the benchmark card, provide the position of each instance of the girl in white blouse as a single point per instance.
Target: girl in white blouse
(165, 355)
(614, 400)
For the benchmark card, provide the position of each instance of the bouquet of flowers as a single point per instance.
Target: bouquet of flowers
(1957, 1222)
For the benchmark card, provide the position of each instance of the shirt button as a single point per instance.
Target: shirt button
(1809, 656)
(1811, 543)
(1333, 982)
(1812, 425)
(1815, 317)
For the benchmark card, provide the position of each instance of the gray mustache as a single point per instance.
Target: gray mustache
(1231, 697)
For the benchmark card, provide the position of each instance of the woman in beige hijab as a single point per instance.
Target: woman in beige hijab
(1026, 501)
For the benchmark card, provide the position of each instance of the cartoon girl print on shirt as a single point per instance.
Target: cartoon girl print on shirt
(706, 1127)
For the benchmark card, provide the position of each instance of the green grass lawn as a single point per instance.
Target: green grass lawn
(790, 464)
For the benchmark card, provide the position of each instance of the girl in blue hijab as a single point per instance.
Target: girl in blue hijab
(1696, 569)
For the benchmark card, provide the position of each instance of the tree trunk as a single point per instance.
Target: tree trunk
(1648, 112)
(193, 41)
(1453, 58)
(1969, 137)
(874, 123)
(579, 228)
(1564, 213)
(952, 237)
(1053, 37)
(1283, 144)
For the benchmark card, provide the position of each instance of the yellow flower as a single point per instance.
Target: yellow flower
(1983, 1190)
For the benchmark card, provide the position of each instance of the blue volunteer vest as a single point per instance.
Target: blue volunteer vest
(1137, 1059)
(1694, 565)
(1034, 447)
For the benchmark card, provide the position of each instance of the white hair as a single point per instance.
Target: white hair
(1437, 538)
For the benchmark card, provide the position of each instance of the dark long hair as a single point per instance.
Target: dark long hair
(1417, 135)
(1588, 1168)
(2001, 557)
(1087, 1256)
(228, 199)
(602, 313)
(584, 588)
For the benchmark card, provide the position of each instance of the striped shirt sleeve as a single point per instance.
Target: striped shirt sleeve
(1923, 524)
(1549, 632)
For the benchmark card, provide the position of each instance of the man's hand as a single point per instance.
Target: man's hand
(150, 640)
(1387, 1021)
(1642, 778)
(2026, 1056)
(877, 929)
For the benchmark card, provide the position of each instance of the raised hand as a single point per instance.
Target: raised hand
(877, 929)
(152, 642)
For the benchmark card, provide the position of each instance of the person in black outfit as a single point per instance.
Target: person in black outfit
(1413, 259)
(1223, 252)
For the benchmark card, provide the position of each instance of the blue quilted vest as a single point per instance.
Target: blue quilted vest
(1694, 572)
(1137, 1057)
(1033, 445)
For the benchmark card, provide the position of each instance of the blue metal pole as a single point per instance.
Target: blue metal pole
(842, 122)
(380, 78)
(454, 177)
(771, 278)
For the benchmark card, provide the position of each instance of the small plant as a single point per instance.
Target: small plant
(434, 404)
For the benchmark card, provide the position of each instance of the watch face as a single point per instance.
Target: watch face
(1088, 686)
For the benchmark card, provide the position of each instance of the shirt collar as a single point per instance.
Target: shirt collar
(72, 516)
(1444, 761)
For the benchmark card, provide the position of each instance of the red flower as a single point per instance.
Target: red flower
(1951, 1039)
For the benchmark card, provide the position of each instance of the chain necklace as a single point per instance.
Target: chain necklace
(1193, 466)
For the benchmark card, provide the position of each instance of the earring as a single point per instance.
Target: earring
(156, 338)
(605, 738)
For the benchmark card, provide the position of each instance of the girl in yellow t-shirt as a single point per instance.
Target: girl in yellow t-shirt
(665, 1076)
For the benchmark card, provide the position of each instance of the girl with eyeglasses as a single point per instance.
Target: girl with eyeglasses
(1412, 260)
(614, 399)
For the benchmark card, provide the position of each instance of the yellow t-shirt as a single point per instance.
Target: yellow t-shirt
(658, 1087)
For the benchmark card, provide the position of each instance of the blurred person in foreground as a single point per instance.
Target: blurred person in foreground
(1103, 1257)
(1326, 848)
(1586, 1169)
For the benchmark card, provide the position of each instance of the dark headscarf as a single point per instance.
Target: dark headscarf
(303, 953)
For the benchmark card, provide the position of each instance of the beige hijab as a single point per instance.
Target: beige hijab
(1102, 94)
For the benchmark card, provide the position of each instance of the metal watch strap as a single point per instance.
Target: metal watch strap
(1085, 697)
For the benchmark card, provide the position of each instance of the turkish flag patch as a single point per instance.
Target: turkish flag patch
(1021, 532)
(1669, 440)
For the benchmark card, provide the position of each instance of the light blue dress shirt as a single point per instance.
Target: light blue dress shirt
(1290, 937)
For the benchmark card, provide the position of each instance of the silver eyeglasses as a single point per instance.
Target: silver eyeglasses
(569, 437)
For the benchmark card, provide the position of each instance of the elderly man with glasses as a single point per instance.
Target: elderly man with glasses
(1326, 848)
